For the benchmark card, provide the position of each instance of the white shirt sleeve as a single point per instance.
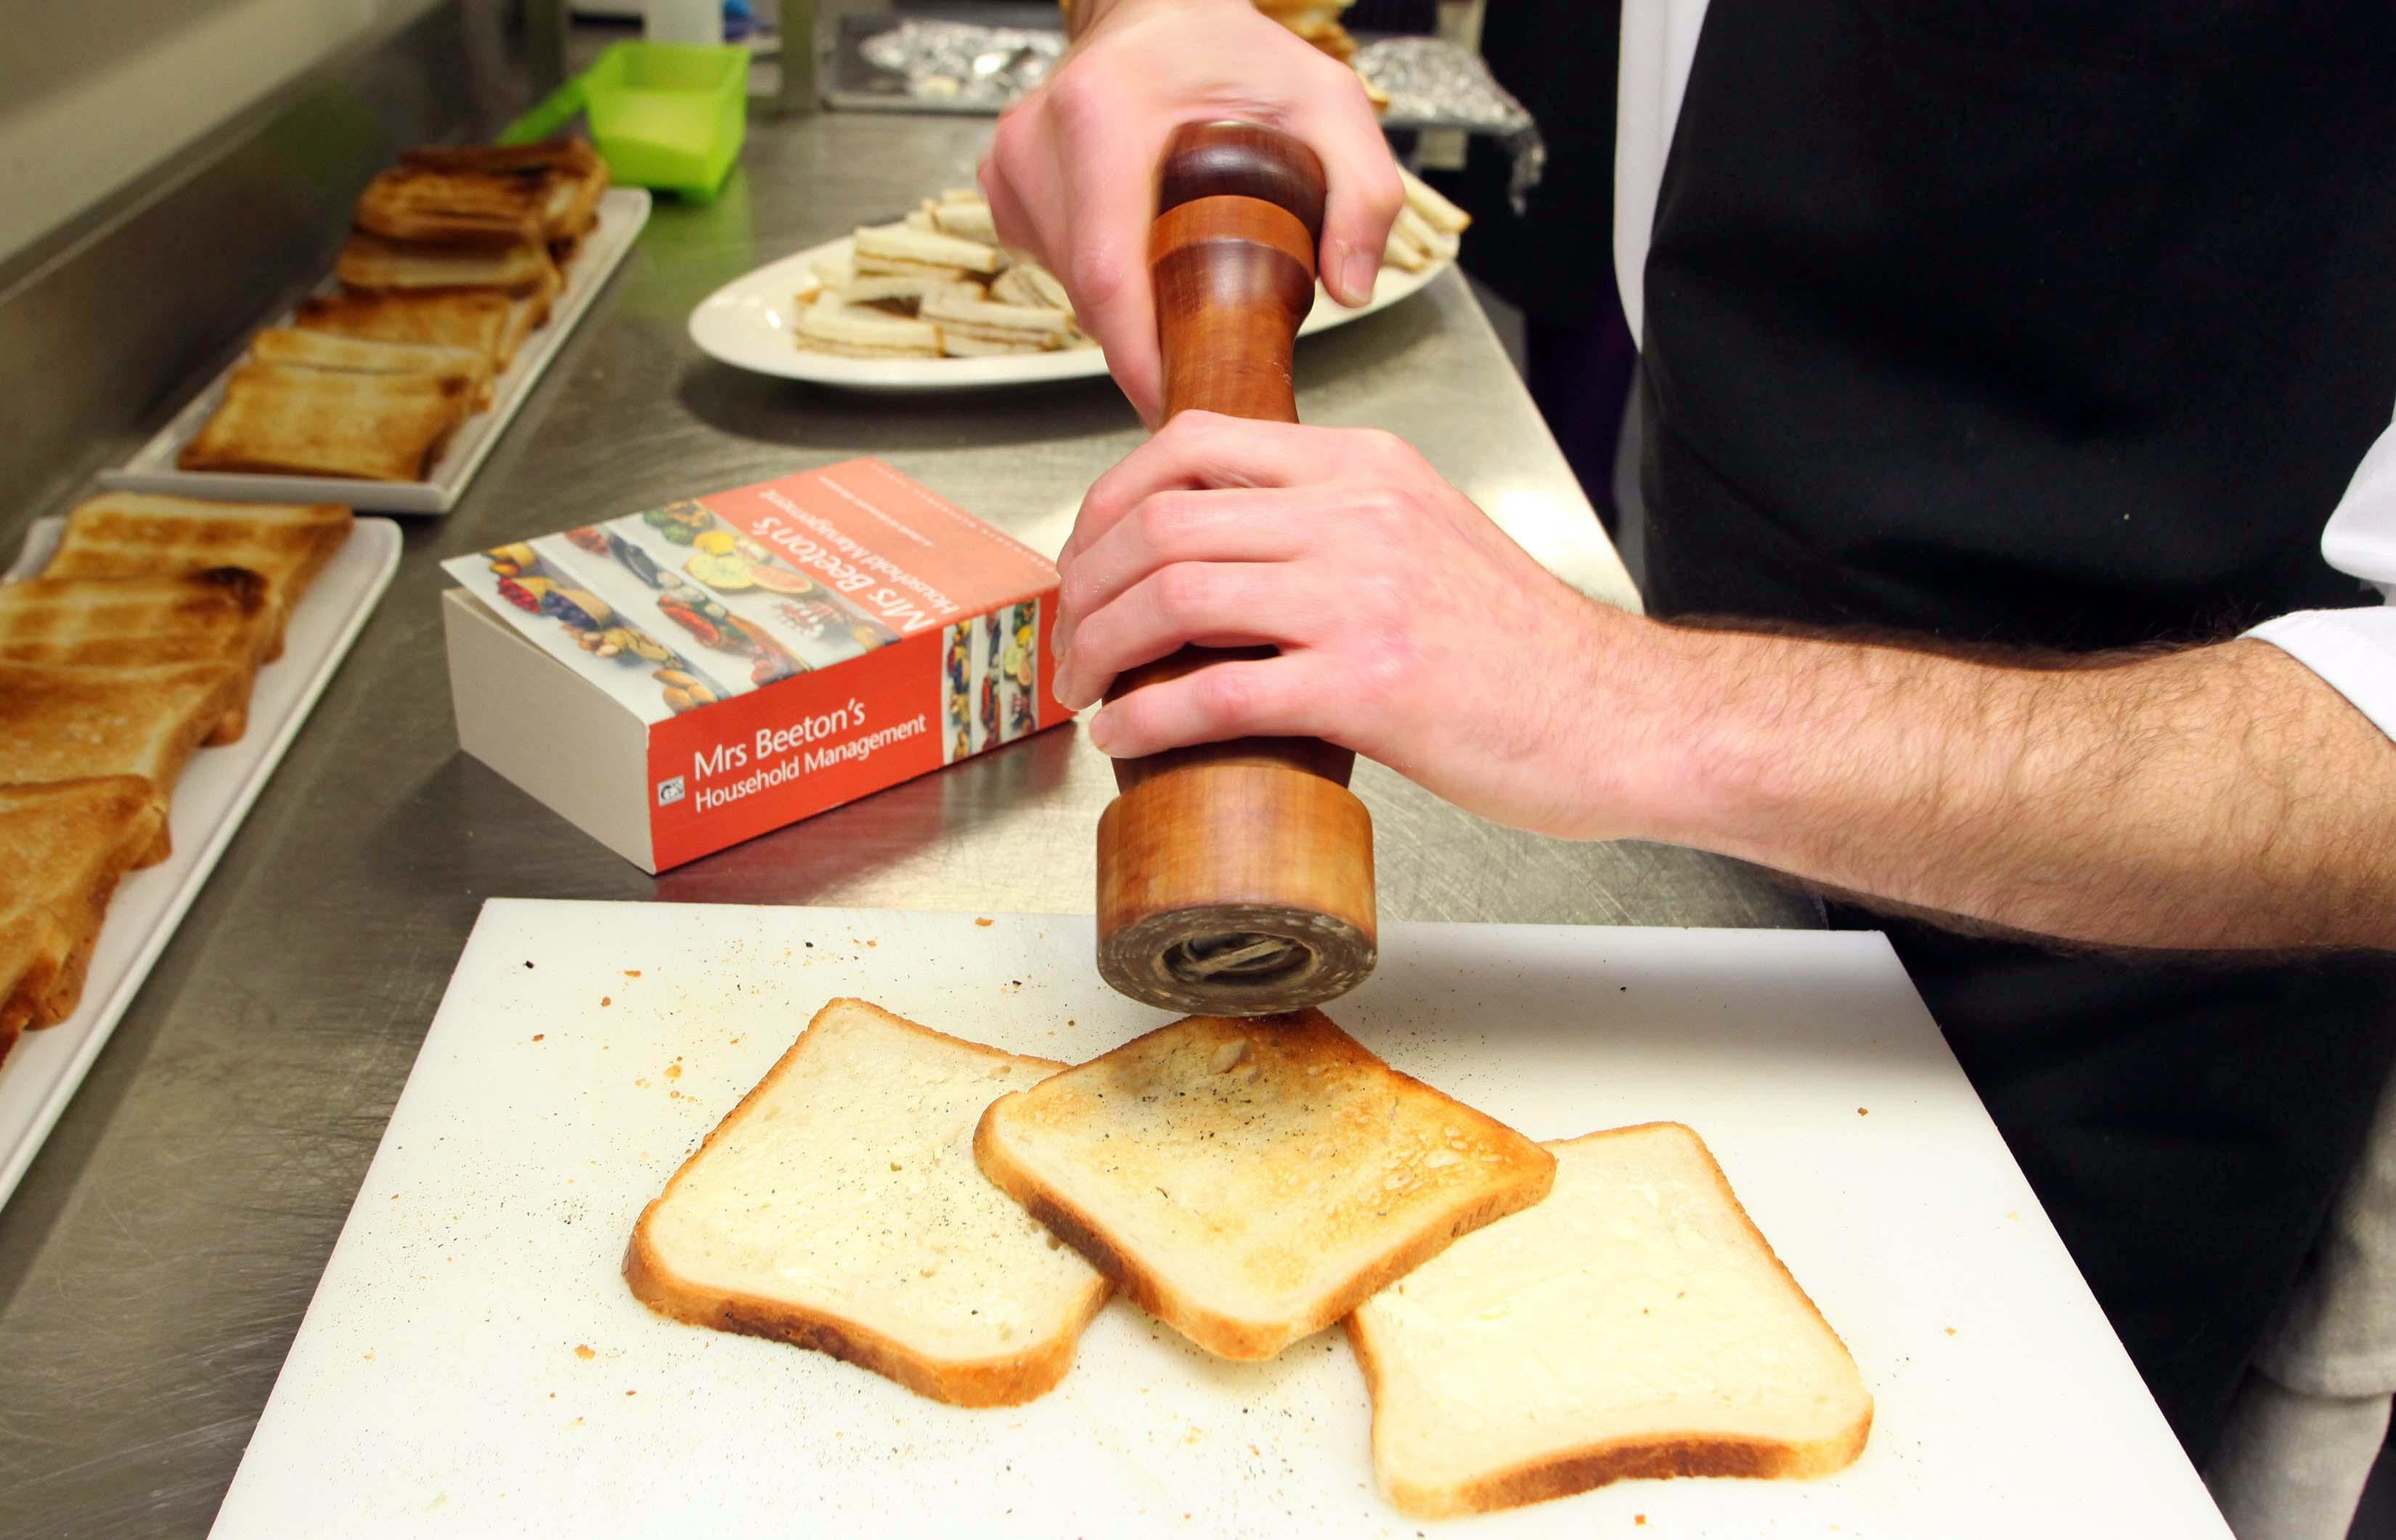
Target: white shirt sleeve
(2354, 650)
(1659, 40)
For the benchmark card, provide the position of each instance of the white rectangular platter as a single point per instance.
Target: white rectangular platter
(472, 1364)
(623, 212)
(218, 786)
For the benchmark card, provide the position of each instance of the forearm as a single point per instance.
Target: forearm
(2218, 797)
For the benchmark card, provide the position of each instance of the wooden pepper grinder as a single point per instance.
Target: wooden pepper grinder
(1236, 878)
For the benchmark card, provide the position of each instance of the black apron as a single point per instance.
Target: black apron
(2060, 323)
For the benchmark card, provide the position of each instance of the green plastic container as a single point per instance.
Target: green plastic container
(664, 115)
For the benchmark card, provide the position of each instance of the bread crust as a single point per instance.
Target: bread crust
(1228, 1336)
(48, 984)
(120, 534)
(1008, 1380)
(1650, 1456)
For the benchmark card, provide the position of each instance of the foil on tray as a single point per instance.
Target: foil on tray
(1429, 80)
(964, 61)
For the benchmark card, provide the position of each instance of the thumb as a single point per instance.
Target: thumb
(1365, 196)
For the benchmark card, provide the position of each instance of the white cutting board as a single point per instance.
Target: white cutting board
(472, 1364)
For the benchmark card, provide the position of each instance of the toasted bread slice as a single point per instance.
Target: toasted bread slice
(455, 206)
(60, 722)
(527, 312)
(373, 264)
(569, 154)
(222, 615)
(64, 845)
(289, 420)
(319, 350)
(575, 176)
(1633, 1325)
(454, 318)
(575, 189)
(136, 533)
(1250, 1181)
(837, 1207)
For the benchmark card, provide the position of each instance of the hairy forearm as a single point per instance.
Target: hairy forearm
(2222, 797)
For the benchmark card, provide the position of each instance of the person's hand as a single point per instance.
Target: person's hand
(1072, 172)
(1410, 628)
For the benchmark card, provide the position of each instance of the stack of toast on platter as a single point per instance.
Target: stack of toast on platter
(135, 648)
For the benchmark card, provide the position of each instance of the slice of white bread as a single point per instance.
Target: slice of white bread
(284, 420)
(575, 176)
(837, 1207)
(477, 319)
(372, 264)
(64, 846)
(527, 312)
(127, 534)
(221, 615)
(62, 721)
(466, 205)
(1635, 1325)
(323, 350)
(1251, 1180)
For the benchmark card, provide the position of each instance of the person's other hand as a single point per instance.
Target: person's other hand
(1410, 628)
(1072, 170)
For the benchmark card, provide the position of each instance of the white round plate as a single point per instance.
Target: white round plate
(747, 323)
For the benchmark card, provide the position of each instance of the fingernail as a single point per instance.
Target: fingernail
(1102, 731)
(1356, 275)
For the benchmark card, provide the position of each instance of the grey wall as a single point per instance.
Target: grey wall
(93, 93)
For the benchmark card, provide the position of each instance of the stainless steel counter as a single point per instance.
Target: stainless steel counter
(157, 1259)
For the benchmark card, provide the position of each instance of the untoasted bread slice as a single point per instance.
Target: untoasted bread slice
(297, 422)
(1432, 207)
(962, 313)
(965, 220)
(61, 723)
(1633, 1325)
(900, 249)
(858, 331)
(64, 845)
(371, 263)
(222, 615)
(133, 534)
(1250, 1181)
(456, 318)
(837, 1207)
(1027, 283)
